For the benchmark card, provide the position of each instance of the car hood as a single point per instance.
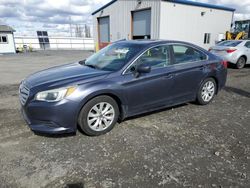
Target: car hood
(64, 74)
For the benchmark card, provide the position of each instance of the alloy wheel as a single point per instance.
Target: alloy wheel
(101, 116)
(241, 63)
(208, 91)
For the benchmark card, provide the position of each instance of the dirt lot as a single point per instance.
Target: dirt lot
(184, 146)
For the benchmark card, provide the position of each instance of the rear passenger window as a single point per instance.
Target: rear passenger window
(184, 54)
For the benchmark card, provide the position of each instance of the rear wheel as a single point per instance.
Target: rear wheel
(98, 116)
(207, 91)
(241, 63)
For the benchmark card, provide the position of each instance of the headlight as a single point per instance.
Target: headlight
(55, 94)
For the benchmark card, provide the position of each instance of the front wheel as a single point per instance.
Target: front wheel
(98, 116)
(207, 91)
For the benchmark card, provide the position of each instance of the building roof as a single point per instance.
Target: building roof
(6, 28)
(198, 4)
(185, 2)
(104, 6)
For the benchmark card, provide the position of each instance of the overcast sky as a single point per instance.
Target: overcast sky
(28, 16)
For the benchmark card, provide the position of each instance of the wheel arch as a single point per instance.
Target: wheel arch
(114, 96)
(216, 81)
(198, 95)
(243, 55)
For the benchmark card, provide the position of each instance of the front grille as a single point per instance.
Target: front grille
(23, 94)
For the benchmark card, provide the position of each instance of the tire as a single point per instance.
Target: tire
(206, 95)
(241, 63)
(98, 116)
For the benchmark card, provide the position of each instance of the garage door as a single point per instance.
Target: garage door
(141, 24)
(104, 32)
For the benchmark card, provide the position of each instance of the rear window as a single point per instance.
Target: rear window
(229, 43)
(184, 54)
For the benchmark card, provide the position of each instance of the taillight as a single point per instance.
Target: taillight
(224, 63)
(231, 50)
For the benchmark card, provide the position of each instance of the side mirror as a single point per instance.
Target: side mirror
(82, 62)
(141, 69)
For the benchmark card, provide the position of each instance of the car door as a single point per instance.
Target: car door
(189, 69)
(148, 90)
(247, 46)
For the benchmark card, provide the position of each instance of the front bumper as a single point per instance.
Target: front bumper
(51, 118)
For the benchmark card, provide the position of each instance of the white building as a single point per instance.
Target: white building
(7, 44)
(198, 23)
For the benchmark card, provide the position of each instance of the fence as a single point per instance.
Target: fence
(55, 43)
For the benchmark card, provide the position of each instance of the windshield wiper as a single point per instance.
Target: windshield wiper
(92, 66)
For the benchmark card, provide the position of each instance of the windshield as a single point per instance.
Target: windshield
(242, 26)
(229, 43)
(113, 57)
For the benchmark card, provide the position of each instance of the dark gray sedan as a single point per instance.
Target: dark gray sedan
(122, 80)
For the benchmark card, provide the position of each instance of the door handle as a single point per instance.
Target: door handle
(169, 76)
(202, 67)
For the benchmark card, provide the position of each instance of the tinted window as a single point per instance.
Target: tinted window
(155, 57)
(184, 54)
(229, 43)
(247, 44)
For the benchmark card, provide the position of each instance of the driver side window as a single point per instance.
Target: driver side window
(157, 57)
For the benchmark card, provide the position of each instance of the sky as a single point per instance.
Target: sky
(55, 16)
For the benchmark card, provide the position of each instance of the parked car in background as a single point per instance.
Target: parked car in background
(121, 80)
(236, 52)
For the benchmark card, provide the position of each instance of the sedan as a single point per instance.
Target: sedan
(236, 52)
(124, 79)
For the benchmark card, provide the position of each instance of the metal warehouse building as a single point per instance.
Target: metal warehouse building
(199, 23)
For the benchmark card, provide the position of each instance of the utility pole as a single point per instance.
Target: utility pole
(70, 26)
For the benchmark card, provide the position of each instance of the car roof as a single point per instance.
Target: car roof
(241, 42)
(150, 42)
(147, 43)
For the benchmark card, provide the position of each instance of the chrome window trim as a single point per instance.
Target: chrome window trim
(168, 44)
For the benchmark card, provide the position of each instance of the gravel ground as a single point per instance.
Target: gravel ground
(185, 146)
